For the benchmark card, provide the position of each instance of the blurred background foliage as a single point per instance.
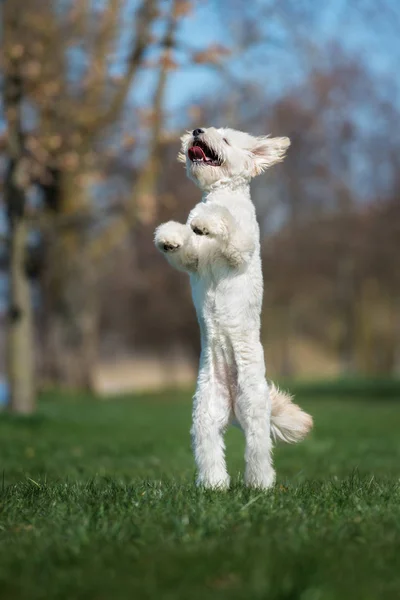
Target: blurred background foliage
(94, 97)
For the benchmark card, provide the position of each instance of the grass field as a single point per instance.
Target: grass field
(97, 502)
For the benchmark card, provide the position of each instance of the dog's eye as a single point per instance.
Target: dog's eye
(226, 141)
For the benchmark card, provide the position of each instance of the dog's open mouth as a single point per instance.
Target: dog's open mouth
(201, 153)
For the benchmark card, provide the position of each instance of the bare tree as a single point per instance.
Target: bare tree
(75, 79)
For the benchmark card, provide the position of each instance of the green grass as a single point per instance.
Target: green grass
(349, 388)
(97, 502)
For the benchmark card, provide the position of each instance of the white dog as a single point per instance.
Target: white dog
(220, 249)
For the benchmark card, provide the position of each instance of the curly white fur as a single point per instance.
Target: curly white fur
(219, 247)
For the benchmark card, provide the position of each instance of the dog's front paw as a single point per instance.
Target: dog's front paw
(199, 227)
(169, 237)
(209, 220)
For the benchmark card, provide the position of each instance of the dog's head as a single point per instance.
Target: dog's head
(213, 155)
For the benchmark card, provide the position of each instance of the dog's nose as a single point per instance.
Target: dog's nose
(197, 132)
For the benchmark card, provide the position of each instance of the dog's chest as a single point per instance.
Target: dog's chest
(222, 303)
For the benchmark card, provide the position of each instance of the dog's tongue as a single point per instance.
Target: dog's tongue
(196, 152)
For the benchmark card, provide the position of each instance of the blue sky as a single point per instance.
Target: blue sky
(370, 39)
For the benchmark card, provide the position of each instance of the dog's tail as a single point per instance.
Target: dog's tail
(288, 422)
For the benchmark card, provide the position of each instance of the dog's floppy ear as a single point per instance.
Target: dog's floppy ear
(267, 151)
(184, 142)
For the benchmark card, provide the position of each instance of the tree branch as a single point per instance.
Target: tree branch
(141, 204)
(145, 17)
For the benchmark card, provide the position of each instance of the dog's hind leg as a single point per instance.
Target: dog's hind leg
(211, 414)
(253, 411)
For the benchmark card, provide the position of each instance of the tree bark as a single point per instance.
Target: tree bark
(19, 343)
(71, 331)
(20, 359)
(69, 299)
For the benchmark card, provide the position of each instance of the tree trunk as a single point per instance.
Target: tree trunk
(347, 306)
(19, 344)
(20, 360)
(71, 340)
(70, 308)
